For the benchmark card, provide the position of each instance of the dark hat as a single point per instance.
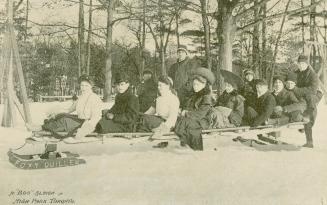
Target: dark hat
(278, 77)
(182, 48)
(147, 72)
(302, 58)
(261, 82)
(121, 77)
(204, 73)
(248, 71)
(291, 76)
(85, 78)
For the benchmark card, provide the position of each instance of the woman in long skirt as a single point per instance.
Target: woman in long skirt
(162, 115)
(88, 113)
(194, 118)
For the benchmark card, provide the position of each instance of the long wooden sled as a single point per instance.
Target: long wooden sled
(250, 133)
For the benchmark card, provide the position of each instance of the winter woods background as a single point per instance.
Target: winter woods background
(61, 39)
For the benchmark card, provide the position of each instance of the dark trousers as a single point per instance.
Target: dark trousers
(148, 122)
(250, 115)
(62, 123)
(312, 113)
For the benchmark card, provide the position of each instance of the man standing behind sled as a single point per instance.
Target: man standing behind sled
(180, 71)
(307, 85)
(124, 113)
(264, 106)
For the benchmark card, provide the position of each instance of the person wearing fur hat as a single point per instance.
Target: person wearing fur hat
(123, 115)
(161, 117)
(147, 91)
(287, 104)
(232, 100)
(264, 106)
(248, 90)
(88, 112)
(180, 72)
(194, 117)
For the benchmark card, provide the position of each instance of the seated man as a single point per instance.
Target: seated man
(287, 104)
(264, 105)
(232, 100)
(147, 91)
(123, 115)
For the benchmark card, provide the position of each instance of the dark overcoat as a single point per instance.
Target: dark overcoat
(307, 86)
(126, 112)
(264, 106)
(235, 102)
(147, 94)
(189, 127)
(248, 91)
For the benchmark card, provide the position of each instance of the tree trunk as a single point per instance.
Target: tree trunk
(256, 43)
(263, 63)
(177, 23)
(312, 34)
(302, 28)
(89, 36)
(226, 40)
(143, 39)
(107, 71)
(81, 44)
(206, 28)
(161, 33)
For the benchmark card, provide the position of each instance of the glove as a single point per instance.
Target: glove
(109, 116)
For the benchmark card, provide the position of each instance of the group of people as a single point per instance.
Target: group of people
(182, 101)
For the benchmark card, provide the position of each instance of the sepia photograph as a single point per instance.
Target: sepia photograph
(163, 102)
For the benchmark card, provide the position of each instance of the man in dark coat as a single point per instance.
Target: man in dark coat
(307, 88)
(180, 72)
(147, 91)
(231, 99)
(123, 115)
(287, 103)
(264, 105)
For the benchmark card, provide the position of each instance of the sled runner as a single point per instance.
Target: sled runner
(44, 137)
(49, 159)
(246, 132)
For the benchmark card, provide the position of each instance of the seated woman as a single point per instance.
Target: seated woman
(122, 116)
(232, 100)
(161, 117)
(88, 113)
(194, 118)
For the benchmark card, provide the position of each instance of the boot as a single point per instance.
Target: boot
(308, 135)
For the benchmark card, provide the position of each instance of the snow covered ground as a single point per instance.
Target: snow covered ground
(128, 172)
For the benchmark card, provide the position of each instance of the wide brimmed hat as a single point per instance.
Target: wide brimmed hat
(204, 73)
(85, 78)
(232, 78)
(302, 58)
(121, 77)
